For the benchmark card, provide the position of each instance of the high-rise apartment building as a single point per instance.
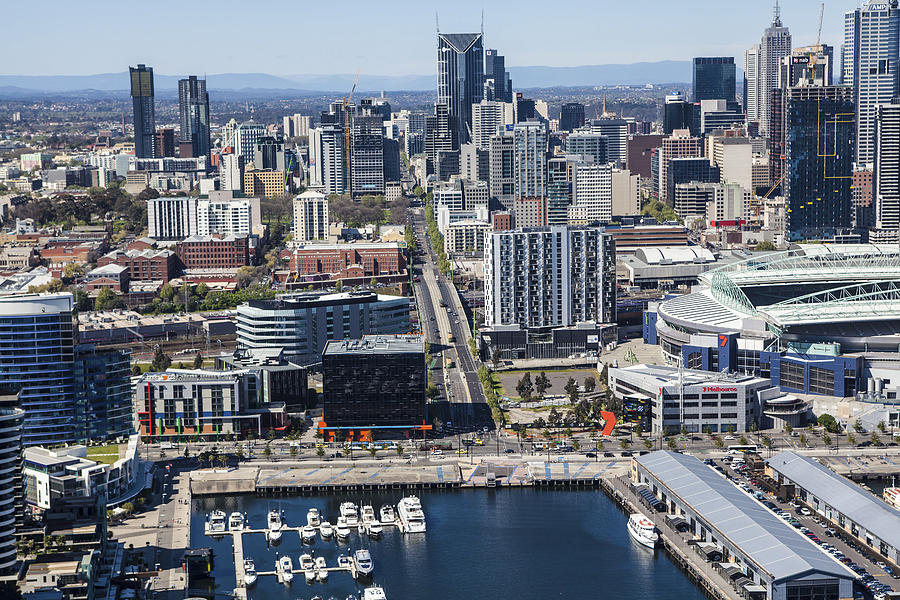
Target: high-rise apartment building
(678, 145)
(246, 136)
(530, 140)
(193, 110)
(488, 119)
(172, 218)
(714, 78)
(559, 193)
(296, 125)
(887, 171)
(571, 116)
(366, 152)
(869, 62)
(591, 193)
(310, 217)
(775, 45)
(497, 83)
(142, 95)
(269, 154)
(231, 172)
(327, 160)
(11, 419)
(460, 79)
(593, 147)
(474, 163)
(753, 99)
(549, 277)
(820, 142)
(222, 214)
(502, 178)
(616, 132)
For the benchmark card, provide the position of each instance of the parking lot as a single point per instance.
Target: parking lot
(874, 576)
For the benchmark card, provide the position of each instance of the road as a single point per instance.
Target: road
(466, 407)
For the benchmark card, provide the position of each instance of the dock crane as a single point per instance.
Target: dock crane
(345, 104)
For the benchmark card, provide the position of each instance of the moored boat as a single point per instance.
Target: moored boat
(642, 530)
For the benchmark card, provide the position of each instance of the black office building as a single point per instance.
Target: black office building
(144, 113)
(497, 83)
(193, 110)
(679, 114)
(820, 144)
(714, 78)
(685, 170)
(571, 116)
(375, 381)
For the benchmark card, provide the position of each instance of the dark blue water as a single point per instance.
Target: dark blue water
(524, 544)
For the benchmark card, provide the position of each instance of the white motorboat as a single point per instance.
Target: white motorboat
(349, 512)
(360, 529)
(374, 593)
(342, 529)
(411, 514)
(374, 529)
(344, 561)
(249, 572)
(368, 514)
(387, 514)
(313, 517)
(236, 522)
(215, 523)
(308, 533)
(642, 530)
(286, 568)
(308, 565)
(321, 569)
(363, 561)
(326, 530)
(274, 521)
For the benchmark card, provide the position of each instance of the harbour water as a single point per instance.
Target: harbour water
(522, 543)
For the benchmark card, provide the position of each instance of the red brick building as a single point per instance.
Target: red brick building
(114, 277)
(343, 261)
(144, 265)
(213, 252)
(503, 221)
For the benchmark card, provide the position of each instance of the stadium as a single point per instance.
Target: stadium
(820, 319)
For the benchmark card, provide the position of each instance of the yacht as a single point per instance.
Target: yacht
(374, 593)
(351, 597)
(642, 530)
(308, 565)
(286, 568)
(387, 514)
(363, 561)
(321, 569)
(342, 529)
(308, 533)
(368, 513)
(326, 530)
(349, 512)
(313, 518)
(274, 520)
(249, 572)
(411, 515)
(344, 561)
(374, 529)
(215, 523)
(236, 522)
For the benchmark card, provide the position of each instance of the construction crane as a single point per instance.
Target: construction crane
(821, 14)
(345, 104)
(813, 60)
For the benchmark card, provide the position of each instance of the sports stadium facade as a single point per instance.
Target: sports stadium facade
(821, 319)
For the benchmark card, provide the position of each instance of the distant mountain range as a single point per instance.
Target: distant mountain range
(670, 71)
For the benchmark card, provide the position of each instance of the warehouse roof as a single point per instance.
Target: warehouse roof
(869, 511)
(773, 545)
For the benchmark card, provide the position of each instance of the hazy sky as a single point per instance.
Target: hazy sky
(281, 37)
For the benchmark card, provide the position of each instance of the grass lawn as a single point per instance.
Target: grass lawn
(104, 454)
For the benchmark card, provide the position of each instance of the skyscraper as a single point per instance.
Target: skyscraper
(820, 140)
(366, 152)
(753, 100)
(460, 77)
(714, 78)
(497, 83)
(775, 45)
(559, 191)
(530, 140)
(193, 110)
(571, 116)
(488, 119)
(870, 59)
(679, 113)
(887, 170)
(144, 113)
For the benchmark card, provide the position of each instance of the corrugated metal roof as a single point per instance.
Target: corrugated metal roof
(867, 510)
(773, 545)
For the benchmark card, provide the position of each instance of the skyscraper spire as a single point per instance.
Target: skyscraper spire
(776, 17)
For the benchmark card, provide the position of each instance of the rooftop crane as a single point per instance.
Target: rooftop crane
(345, 103)
(813, 60)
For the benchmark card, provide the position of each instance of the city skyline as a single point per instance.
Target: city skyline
(510, 33)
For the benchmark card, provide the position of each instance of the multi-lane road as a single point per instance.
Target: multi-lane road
(444, 322)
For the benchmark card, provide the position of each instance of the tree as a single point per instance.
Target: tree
(373, 451)
(671, 443)
(348, 451)
(496, 359)
(432, 392)
(826, 439)
(198, 361)
(72, 271)
(590, 384)
(339, 285)
(623, 444)
(541, 384)
(876, 439)
(707, 430)
(648, 444)
(882, 427)
(136, 370)
(718, 442)
(803, 439)
(128, 507)
(525, 387)
(858, 426)
(268, 450)
(743, 440)
(829, 423)
(107, 299)
(572, 390)
(160, 362)
(320, 451)
(764, 246)
(788, 428)
(167, 292)
(851, 439)
(399, 450)
(293, 451)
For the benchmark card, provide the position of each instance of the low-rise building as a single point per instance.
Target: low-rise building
(71, 574)
(857, 512)
(266, 183)
(464, 237)
(111, 276)
(144, 265)
(17, 257)
(213, 252)
(347, 261)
